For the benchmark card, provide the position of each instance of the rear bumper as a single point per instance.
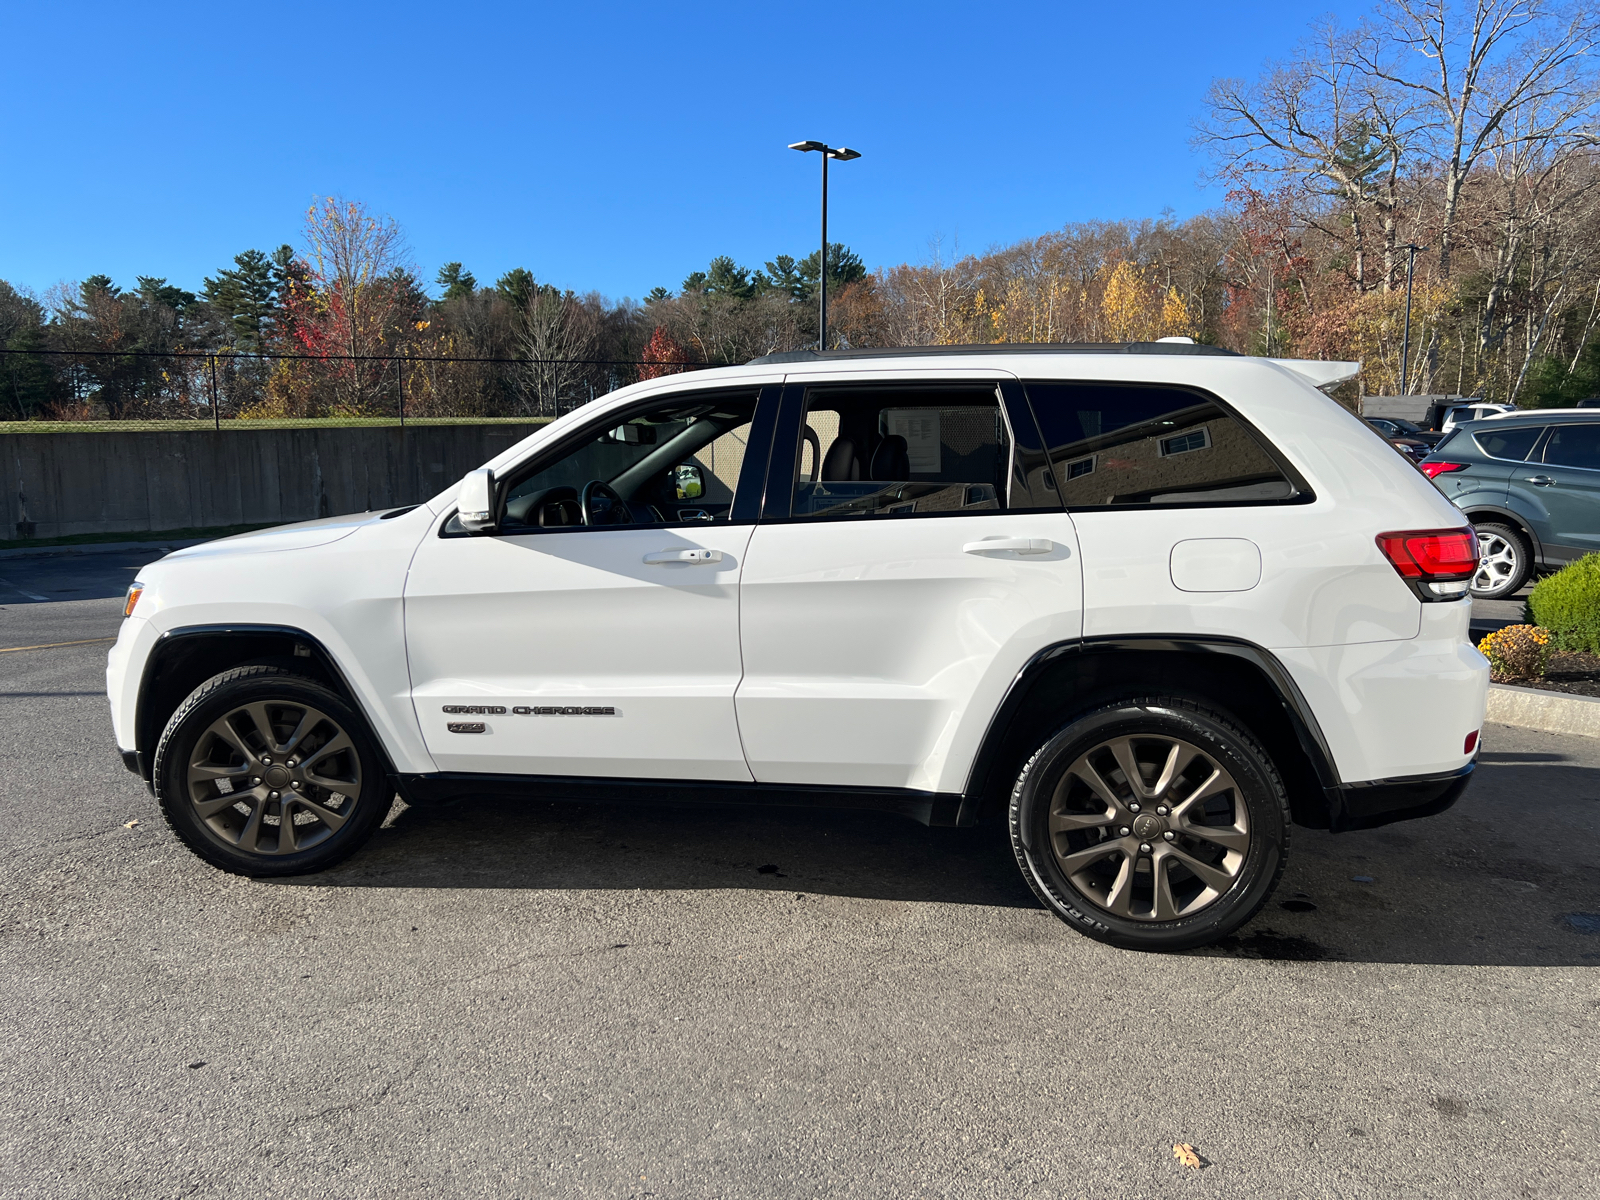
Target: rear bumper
(1384, 801)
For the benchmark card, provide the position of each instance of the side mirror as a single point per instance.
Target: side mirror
(475, 501)
(688, 481)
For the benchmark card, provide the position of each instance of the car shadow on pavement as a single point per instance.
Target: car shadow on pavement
(1482, 884)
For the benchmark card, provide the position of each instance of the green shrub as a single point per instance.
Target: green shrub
(1568, 605)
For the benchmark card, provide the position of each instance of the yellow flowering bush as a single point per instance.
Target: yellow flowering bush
(1518, 652)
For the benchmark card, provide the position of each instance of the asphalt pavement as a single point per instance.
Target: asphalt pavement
(533, 1000)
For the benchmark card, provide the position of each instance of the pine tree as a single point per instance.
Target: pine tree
(246, 297)
(456, 281)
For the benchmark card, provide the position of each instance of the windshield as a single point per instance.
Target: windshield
(1405, 426)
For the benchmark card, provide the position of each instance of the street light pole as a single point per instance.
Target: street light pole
(843, 154)
(1405, 338)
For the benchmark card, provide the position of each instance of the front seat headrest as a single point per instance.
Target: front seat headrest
(891, 461)
(841, 464)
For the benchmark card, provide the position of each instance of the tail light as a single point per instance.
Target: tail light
(1435, 469)
(1438, 563)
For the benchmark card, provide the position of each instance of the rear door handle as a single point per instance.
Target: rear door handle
(661, 557)
(1018, 544)
(1540, 480)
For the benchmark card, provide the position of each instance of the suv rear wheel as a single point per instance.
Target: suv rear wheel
(1151, 824)
(262, 772)
(1504, 561)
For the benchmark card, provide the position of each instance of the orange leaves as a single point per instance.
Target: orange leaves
(1187, 1155)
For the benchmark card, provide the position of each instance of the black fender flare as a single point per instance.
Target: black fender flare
(1296, 708)
(302, 645)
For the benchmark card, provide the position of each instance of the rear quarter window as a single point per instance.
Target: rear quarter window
(1513, 443)
(1115, 445)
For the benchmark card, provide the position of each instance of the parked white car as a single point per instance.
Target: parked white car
(1461, 414)
(1149, 604)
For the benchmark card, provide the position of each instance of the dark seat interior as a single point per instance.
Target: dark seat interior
(891, 460)
(842, 464)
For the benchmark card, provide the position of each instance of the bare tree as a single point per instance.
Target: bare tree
(556, 332)
(1322, 126)
(1475, 72)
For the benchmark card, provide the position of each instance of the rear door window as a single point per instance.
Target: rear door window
(1116, 445)
(903, 451)
(1574, 446)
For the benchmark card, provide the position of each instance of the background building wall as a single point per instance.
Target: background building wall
(59, 484)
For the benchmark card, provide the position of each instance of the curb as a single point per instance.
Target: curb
(1551, 712)
(101, 548)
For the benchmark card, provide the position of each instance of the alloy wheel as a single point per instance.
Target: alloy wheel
(1499, 562)
(274, 778)
(1149, 828)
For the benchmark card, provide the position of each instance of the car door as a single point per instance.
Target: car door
(597, 639)
(911, 557)
(1495, 474)
(1568, 482)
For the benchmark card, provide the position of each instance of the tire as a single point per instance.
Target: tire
(280, 743)
(1505, 560)
(1099, 854)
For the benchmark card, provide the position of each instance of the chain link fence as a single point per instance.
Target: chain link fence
(68, 390)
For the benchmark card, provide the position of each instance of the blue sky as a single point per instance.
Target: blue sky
(610, 146)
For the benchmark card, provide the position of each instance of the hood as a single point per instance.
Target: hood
(299, 536)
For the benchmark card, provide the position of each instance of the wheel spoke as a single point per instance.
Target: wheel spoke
(258, 717)
(1164, 907)
(1122, 751)
(1178, 760)
(309, 719)
(286, 842)
(1229, 837)
(201, 770)
(333, 820)
(1215, 784)
(225, 732)
(1120, 898)
(1213, 877)
(210, 808)
(1084, 770)
(1077, 861)
(251, 833)
(341, 742)
(1061, 822)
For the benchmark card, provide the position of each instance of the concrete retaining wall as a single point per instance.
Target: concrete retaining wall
(57, 484)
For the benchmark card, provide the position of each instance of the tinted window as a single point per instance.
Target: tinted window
(1574, 446)
(1513, 442)
(901, 451)
(676, 462)
(1127, 444)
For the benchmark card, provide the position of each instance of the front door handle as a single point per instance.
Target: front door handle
(1020, 545)
(1540, 480)
(661, 557)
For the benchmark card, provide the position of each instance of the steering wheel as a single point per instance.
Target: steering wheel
(602, 506)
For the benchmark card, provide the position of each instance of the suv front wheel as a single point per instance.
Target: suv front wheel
(1151, 824)
(262, 772)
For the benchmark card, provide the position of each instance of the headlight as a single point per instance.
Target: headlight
(134, 593)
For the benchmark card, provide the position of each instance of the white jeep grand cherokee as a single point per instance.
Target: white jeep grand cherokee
(1151, 604)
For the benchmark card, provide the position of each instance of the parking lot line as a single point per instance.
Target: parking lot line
(54, 645)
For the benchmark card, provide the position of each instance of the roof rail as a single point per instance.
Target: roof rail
(799, 356)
